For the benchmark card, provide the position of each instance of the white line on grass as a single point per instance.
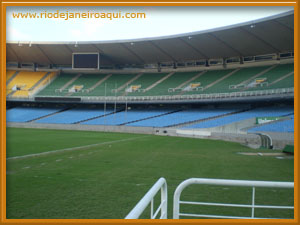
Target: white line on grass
(74, 148)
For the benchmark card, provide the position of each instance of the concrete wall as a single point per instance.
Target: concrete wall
(251, 140)
(233, 128)
(280, 140)
(119, 129)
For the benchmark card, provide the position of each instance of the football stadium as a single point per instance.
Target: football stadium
(196, 125)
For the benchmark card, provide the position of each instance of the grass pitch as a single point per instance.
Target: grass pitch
(111, 172)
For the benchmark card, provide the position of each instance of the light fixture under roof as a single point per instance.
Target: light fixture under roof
(252, 25)
(189, 37)
(131, 43)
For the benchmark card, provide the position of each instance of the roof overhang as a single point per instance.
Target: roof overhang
(273, 34)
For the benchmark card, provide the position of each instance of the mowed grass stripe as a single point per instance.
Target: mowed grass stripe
(106, 181)
(74, 148)
(33, 141)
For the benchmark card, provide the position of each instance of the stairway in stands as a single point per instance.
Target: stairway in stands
(151, 117)
(96, 117)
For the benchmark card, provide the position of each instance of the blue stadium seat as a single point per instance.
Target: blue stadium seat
(125, 117)
(258, 112)
(182, 117)
(25, 114)
(280, 126)
(73, 115)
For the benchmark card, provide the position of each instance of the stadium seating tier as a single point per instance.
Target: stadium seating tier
(157, 84)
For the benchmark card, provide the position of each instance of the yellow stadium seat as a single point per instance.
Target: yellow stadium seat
(49, 78)
(25, 80)
(21, 93)
(9, 74)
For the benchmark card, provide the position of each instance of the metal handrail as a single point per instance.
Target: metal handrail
(185, 97)
(161, 185)
(222, 182)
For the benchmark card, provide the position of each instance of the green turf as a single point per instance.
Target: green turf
(32, 141)
(106, 181)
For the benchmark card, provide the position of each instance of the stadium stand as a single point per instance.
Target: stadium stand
(236, 78)
(9, 74)
(173, 81)
(279, 126)
(182, 117)
(156, 84)
(87, 82)
(274, 75)
(55, 87)
(24, 82)
(287, 81)
(44, 81)
(145, 81)
(113, 82)
(208, 78)
(26, 114)
(258, 112)
(127, 117)
(74, 115)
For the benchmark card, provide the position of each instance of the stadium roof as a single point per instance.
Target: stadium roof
(273, 34)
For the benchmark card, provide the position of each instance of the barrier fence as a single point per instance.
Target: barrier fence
(162, 185)
(231, 95)
(221, 182)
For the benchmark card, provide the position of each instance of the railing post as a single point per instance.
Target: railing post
(253, 202)
(222, 182)
(161, 185)
(164, 202)
(152, 205)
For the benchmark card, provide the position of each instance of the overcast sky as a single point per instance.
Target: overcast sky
(159, 21)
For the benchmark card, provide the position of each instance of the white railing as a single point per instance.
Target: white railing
(192, 96)
(161, 185)
(180, 97)
(222, 182)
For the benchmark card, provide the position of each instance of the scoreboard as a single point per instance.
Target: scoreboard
(86, 61)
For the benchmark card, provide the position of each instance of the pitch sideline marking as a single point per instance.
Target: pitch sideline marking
(74, 148)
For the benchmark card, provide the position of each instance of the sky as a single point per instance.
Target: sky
(159, 21)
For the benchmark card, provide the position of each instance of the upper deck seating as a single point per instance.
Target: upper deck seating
(23, 82)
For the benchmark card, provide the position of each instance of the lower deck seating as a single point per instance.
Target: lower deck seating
(182, 117)
(25, 114)
(280, 126)
(74, 115)
(126, 117)
(258, 112)
(155, 117)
